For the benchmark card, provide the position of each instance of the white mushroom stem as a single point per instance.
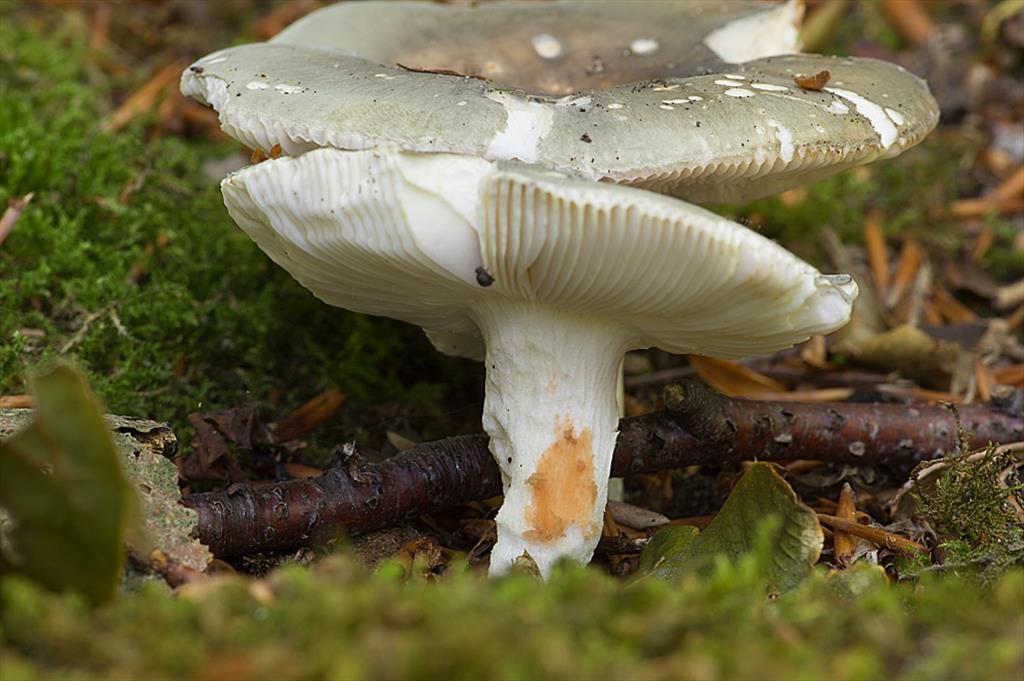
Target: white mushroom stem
(551, 413)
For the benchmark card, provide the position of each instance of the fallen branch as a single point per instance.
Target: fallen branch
(697, 426)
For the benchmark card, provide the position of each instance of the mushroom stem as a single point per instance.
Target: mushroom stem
(551, 414)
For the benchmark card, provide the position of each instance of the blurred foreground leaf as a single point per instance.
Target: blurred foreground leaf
(69, 502)
(791, 550)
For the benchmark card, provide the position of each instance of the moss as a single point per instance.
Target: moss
(127, 258)
(970, 506)
(1003, 259)
(582, 625)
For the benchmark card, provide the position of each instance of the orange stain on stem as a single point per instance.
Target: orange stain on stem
(564, 491)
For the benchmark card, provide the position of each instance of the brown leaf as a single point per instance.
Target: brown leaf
(309, 416)
(1010, 187)
(99, 26)
(1011, 375)
(733, 379)
(299, 470)
(911, 257)
(815, 352)
(984, 380)
(843, 543)
(951, 309)
(145, 98)
(1009, 296)
(812, 82)
(878, 259)
(736, 380)
(15, 206)
(982, 243)
(915, 394)
(875, 535)
(977, 208)
(211, 458)
(16, 402)
(910, 19)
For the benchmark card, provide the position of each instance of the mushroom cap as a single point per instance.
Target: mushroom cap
(556, 47)
(666, 273)
(745, 132)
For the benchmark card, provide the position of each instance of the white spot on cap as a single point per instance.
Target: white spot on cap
(526, 125)
(764, 34)
(739, 92)
(546, 45)
(895, 116)
(461, 103)
(695, 98)
(876, 116)
(768, 87)
(644, 46)
(838, 107)
(385, 76)
(729, 83)
(675, 101)
(785, 137)
(614, 105)
(665, 88)
(735, 77)
(666, 107)
(286, 89)
(256, 85)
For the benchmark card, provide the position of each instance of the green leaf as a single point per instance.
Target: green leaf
(856, 580)
(789, 553)
(69, 502)
(669, 541)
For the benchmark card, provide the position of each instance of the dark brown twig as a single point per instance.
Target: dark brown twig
(698, 426)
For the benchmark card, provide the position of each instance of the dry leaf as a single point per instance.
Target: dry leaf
(913, 353)
(910, 18)
(15, 206)
(812, 82)
(878, 259)
(733, 379)
(309, 416)
(911, 257)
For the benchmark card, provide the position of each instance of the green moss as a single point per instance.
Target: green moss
(1003, 260)
(211, 322)
(582, 625)
(970, 506)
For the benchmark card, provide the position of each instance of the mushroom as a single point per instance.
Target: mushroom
(557, 48)
(493, 208)
(692, 126)
(558, 276)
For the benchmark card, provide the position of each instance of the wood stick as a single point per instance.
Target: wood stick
(698, 426)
